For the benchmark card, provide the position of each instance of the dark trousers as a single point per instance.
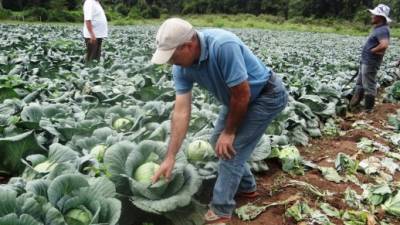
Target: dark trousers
(366, 80)
(93, 50)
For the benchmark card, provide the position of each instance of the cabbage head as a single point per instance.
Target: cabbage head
(78, 217)
(98, 152)
(199, 150)
(145, 172)
(122, 124)
(124, 119)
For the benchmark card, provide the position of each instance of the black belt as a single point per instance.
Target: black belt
(269, 86)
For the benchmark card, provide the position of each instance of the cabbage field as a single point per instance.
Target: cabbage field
(79, 142)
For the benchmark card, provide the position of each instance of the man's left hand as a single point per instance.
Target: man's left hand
(224, 147)
(382, 52)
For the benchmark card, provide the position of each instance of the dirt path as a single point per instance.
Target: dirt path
(323, 152)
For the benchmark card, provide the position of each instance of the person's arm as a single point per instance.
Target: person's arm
(179, 126)
(91, 32)
(230, 58)
(88, 17)
(381, 47)
(238, 105)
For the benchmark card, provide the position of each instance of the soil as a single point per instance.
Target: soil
(323, 152)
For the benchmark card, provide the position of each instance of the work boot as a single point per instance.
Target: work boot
(356, 99)
(369, 103)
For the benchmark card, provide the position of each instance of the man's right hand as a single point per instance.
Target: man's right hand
(93, 39)
(165, 170)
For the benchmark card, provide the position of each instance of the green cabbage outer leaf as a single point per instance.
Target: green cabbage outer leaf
(392, 205)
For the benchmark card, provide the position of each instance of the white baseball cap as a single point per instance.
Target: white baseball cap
(381, 10)
(171, 34)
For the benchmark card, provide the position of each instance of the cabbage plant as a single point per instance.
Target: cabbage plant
(156, 131)
(69, 199)
(25, 209)
(93, 146)
(290, 157)
(124, 119)
(131, 167)
(200, 154)
(392, 93)
(59, 158)
(13, 148)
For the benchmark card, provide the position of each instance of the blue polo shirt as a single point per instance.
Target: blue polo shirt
(225, 61)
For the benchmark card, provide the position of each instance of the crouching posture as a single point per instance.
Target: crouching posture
(250, 93)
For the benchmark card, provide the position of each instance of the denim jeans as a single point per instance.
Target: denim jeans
(366, 80)
(234, 175)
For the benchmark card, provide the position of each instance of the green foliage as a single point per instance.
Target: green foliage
(290, 158)
(346, 164)
(12, 149)
(69, 199)
(355, 217)
(122, 9)
(135, 13)
(363, 16)
(298, 211)
(5, 14)
(287, 9)
(150, 12)
(396, 90)
(65, 16)
(392, 205)
(154, 12)
(37, 13)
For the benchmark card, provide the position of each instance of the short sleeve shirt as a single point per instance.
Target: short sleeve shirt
(93, 11)
(225, 61)
(378, 34)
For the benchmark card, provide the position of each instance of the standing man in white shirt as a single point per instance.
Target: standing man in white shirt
(94, 28)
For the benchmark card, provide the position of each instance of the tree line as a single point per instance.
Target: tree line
(344, 9)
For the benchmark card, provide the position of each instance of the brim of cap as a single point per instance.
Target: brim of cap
(162, 56)
(379, 14)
